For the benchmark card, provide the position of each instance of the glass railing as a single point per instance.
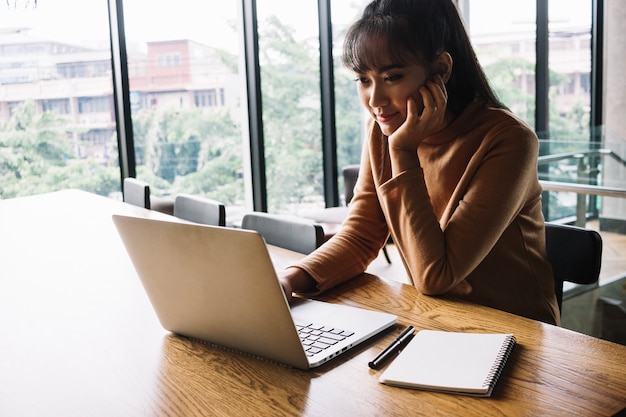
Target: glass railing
(585, 184)
(588, 180)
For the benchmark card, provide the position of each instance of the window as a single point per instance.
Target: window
(57, 106)
(94, 104)
(351, 116)
(85, 69)
(168, 60)
(507, 49)
(188, 110)
(208, 98)
(290, 85)
(45, 142)
(186, 98)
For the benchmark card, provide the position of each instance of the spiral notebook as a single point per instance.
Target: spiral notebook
(453, 362)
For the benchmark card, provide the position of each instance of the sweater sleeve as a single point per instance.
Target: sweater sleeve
(362, 235)
(499, 179)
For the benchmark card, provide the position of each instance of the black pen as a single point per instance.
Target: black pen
(393, 348)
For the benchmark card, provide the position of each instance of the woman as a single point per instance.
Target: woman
(447, 170)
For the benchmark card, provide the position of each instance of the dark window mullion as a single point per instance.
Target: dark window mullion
(121, 90)
(597, 66)
(542, 72)
(255, 105)
(597, 81)
(542, 85)
(329, 132)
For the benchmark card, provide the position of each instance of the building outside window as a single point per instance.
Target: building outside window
(187, 92)
(57, 106)
(55, 73)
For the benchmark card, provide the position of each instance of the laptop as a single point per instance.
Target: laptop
(218, 285)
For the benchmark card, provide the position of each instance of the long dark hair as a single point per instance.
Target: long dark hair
(417, 31)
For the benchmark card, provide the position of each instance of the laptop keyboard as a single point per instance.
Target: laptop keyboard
(316, 338)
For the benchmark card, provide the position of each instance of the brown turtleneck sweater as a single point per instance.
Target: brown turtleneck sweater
(472, 212)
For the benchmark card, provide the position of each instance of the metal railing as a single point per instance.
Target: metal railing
(586, 181)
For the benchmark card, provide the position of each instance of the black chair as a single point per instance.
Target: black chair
(199, 210)
(575, 254)
(289, 232)
(350, 175)
(136, 192)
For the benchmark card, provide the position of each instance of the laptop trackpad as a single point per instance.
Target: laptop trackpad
(339, 315)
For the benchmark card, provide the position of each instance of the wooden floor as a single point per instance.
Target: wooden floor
(599, 312)
(613, 254)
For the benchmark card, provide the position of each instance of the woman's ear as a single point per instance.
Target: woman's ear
(443, 65)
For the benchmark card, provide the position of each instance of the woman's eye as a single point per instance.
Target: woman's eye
(393, 77)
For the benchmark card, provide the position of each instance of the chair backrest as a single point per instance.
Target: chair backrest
(199, 210)
(289, 232)
(350, 174)
(136, 192)
(575, 254)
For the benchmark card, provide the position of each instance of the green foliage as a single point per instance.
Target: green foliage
(37, 156)
(291, 116)
(199, 150)
(220, 180)
(349, 124)
(189, 151)
(504, 76)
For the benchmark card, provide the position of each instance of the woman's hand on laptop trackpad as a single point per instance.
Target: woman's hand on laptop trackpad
(295, 280)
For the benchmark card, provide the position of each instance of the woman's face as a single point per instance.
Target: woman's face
(384, 92)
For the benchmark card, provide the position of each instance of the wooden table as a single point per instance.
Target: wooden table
(79, 338)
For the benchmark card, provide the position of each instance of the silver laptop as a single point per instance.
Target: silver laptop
(218, 285)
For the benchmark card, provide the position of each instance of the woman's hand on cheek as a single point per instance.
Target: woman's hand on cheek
(435, 104)
(418, 126)
(406, 137)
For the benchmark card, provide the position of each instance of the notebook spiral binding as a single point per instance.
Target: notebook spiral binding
(498, 366)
